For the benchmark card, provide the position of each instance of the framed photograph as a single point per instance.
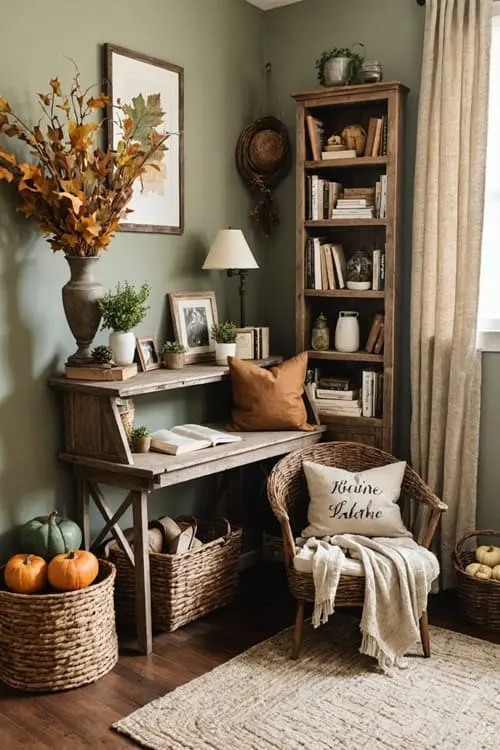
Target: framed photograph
(193, 315)
(148, 353)
(152, 90)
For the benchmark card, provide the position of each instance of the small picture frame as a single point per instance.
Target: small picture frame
(193, 315)
(148, 353)
(245, 343)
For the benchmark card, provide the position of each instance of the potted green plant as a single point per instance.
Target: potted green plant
(173, 355)
(340, 66)
(141, 439)
(122, 310)
(224, 335)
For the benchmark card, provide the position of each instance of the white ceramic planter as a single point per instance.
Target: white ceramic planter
(223, 351)
(123, 347)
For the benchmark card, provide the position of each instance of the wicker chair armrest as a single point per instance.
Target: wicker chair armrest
(415, 487)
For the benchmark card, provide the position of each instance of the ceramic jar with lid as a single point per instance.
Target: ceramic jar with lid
(371, 71)
(320, 337)
(347, 331)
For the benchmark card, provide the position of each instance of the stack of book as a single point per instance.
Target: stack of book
(337, 396)
(375, 340)
(339, 153)
(354, 207)
(252, 342)
(371, 393)
(325, 264)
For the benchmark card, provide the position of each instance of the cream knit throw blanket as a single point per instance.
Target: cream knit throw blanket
(398, 577)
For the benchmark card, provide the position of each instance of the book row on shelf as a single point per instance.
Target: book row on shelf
(334, 147)
(328, 199)
(326, 268)
(345, 397)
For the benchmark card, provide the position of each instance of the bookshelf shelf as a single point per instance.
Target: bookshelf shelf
(347, 356)
(345, 223)
(343, 293)
(350, 421)
(361, 182)
(359, 161)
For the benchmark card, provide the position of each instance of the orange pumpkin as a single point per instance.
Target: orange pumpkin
(25, 574)
(73, 570)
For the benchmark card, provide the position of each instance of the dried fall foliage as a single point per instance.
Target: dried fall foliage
(76, 191)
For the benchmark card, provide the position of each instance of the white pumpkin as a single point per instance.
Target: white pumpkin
(488, 554)
(495, 573)
(477, 570)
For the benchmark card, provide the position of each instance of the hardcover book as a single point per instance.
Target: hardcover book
(185, 438)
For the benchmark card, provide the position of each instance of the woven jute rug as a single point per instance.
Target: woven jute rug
(332, 697)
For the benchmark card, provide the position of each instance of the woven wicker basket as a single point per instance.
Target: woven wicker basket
(480, 598)
(184, 586)
(58, 641)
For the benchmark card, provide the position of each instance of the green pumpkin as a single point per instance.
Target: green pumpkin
(48, 536)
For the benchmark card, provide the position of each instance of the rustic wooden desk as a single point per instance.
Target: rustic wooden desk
(97, 449)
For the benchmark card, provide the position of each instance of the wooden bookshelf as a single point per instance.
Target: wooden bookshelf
(336, 108)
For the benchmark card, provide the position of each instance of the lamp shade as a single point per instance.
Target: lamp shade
(229, 250)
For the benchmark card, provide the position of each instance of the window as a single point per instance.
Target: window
(489, 296)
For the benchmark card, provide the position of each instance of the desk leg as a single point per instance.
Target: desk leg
(83, 499)
(142, 580)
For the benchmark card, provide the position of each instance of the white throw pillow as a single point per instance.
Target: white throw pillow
(365, 503)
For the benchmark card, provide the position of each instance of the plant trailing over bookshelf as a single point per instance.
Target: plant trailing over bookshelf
(347, 68)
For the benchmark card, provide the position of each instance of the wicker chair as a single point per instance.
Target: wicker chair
(287, 493)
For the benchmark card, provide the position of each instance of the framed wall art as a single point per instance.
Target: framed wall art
(147, 351)
(193, 315)
(152, 90)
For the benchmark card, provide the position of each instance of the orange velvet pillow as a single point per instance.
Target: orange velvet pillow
(268, 399)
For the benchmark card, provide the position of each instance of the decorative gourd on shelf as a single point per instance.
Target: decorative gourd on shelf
(478, 570)
(488, 554)
(74, 570)
(25, 574)
(48, 536)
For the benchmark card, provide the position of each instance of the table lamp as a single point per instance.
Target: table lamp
(230, 252)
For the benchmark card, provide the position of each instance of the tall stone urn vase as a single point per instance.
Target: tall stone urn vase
(80, 301)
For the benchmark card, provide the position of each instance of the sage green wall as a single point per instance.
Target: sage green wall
(219, 44)
(392, 31)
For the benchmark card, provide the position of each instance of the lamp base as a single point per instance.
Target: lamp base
(242, 273)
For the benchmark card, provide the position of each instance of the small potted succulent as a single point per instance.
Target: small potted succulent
(224, 335)
(102, 355)
(340, 66)
(122, 310)
(141, 439)
(174, 355)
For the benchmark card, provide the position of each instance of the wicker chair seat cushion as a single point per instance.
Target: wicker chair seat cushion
(345, 502)
(303, 559)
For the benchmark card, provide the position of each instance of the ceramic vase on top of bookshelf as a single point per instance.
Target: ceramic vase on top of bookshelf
(347, 331)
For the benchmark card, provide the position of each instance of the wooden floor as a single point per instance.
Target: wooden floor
(81, 718)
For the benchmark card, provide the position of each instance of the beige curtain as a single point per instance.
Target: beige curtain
(447, 229)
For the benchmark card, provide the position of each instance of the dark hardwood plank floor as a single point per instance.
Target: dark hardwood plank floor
(81, 718)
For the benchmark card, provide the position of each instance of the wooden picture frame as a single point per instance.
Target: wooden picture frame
(157, 87)
(193, 315)
(147, 351)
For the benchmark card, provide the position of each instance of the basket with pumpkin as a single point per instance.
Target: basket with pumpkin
(478, 579)
(57, 622)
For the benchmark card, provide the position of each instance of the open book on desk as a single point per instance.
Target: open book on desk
(189, 437)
